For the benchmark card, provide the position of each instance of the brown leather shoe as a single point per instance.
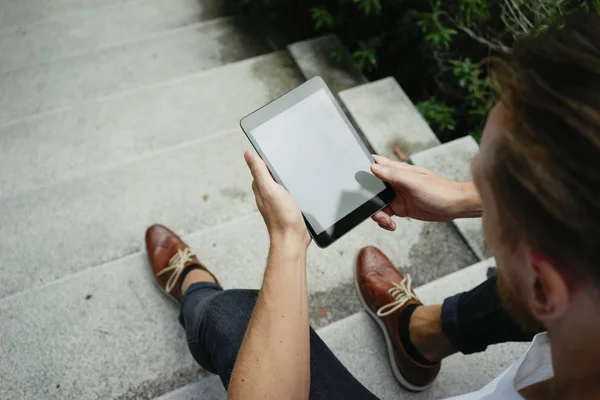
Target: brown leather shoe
(169, 256)
(385, 293)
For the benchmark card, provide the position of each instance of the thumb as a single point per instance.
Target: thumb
(258, 168)
(386, 173)
(397, 176)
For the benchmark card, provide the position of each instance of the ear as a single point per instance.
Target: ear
(551, 292)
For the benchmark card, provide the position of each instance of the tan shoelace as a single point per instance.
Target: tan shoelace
(401, 293)
(176, 266)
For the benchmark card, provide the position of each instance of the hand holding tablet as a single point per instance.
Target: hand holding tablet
(279, 209)
(313, 151)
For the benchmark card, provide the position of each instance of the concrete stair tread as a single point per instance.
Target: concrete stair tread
(88, 346)
(87, 30)
(96, 218)
(26, 11)
(460, 374)
(72, 80)
(313, 57)
(387, 117)
(209, 388)
(452, 161)
(78, 141)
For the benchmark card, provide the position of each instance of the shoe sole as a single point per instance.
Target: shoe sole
(173, 299)
(397, 374)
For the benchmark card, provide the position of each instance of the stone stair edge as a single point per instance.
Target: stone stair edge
(37, 44)
(452, 160)
(57, 219)
(27, 6)
(149, 37)
(60, 145)
(411, 232)
(387, 117)
(465, 139)
(124, 163)
(145, 88)
(129, 276)
(50, 86)
(125, 258)
(69, 12)
(312, 58)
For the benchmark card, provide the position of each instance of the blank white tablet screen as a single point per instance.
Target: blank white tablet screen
(318, 160)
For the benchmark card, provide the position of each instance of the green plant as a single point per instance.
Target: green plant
(433, 48)
(322, 18)
(474, 11)
(366, 55)
(478, 89)
(368, 6)
(438, 115)
(437, 34)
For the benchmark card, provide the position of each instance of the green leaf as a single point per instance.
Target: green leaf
(437, 114)
(369, 6)
(366, 55)
(322, 18)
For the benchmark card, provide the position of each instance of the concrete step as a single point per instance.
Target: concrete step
(313, 57)
(109, 209)
(387, 117)
(73, 80)
(209, 388)
(75, 142)
(88, 30)
(85, 331)
(96, 218)
(453, 161)
(459, 374)
(25, 11)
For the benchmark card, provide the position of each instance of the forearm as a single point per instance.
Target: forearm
(274, 360)
(468, 204)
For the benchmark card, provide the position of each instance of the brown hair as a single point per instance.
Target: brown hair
(546, 170)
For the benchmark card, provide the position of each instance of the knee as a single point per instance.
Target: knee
(229, 312)
(222, 329)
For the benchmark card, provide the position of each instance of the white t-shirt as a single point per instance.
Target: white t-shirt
(535, 366)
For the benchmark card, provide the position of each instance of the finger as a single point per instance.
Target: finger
(387, 173)
(384, 221)
(382, 160)
(258, 168)
(381, 218)
(387, 228)
(398, 175)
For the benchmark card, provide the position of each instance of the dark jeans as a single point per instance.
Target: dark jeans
(215, 321)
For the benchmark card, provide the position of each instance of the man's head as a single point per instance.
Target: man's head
(539, 175)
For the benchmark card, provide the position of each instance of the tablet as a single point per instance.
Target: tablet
(313, 150)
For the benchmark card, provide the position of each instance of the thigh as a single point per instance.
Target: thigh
(218, 331)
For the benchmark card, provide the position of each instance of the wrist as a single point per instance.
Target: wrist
(291, 241)
(469, 201)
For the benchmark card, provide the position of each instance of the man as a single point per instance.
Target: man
(536, 182)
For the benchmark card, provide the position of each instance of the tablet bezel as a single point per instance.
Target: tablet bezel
(288, 100)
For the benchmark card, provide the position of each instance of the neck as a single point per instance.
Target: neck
(575, 359)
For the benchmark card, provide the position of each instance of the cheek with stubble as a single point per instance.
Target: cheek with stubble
(513, 291)
(511, 282)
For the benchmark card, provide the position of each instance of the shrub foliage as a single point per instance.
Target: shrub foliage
(435, 49)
